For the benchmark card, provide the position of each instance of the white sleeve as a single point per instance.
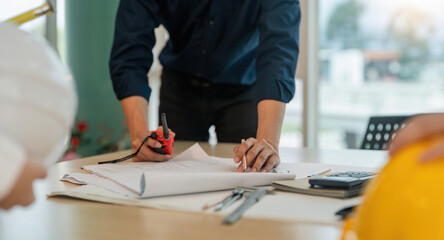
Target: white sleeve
(12, 159)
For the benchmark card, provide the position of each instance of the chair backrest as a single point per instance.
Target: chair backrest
(380, 130)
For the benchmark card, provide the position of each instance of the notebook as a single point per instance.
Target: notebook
(301, 185)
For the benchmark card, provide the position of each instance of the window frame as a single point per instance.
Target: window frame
(308, 71)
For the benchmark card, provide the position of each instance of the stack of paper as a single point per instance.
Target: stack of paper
(136, 184)
(192, 171)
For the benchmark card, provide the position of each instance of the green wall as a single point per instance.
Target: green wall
(89, 35)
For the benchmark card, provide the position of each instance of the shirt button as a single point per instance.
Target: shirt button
(204, 51)
(211, 22)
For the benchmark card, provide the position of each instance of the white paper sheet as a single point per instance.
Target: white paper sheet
(164, 183)
(84, 179)
(304, 208)
(299, 169)
(190, 172)
(281, 206)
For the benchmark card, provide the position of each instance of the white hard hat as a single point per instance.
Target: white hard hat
(37, 95)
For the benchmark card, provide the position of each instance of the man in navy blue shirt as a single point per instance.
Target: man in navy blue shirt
(227, 63)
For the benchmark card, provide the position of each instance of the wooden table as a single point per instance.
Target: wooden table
(65, 218)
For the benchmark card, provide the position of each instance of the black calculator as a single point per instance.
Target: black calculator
(341, 180)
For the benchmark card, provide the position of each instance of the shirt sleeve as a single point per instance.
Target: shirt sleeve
(12, 159)
(131, 55)
(278, 49)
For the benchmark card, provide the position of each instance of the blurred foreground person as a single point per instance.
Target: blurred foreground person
(405, 200)
(37, 108)
(418, 128)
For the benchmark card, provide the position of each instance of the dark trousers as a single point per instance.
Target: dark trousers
(192, 105)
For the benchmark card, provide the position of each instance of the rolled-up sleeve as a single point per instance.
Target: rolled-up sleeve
(278, 50)
(131, 55)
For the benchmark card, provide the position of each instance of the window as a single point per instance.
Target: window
(61, 39)
(291, 135)
(380, 57)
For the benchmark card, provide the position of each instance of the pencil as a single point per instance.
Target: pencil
(323, 171)
(244, 159)
(320, 173)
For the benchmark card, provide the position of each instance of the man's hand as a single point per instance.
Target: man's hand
(262, 152)
(22, 193)
(135, 109)
(419, 128)
(260, 155)
(146, 153)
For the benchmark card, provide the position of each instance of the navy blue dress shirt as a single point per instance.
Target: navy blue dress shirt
(222, 41)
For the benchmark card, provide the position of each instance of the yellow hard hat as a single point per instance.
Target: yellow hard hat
(405, 201)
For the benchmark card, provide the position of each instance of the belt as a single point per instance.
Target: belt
(182, 78)
(199, 82)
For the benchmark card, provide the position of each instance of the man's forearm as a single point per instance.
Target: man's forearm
(135, 109)
(261, 153)
(270, 118)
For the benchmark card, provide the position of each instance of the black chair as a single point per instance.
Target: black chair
(380, 130)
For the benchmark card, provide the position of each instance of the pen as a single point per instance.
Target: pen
(320, 173)
(345, 212)
(235, 195)
(253, 198)
(214, 203)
